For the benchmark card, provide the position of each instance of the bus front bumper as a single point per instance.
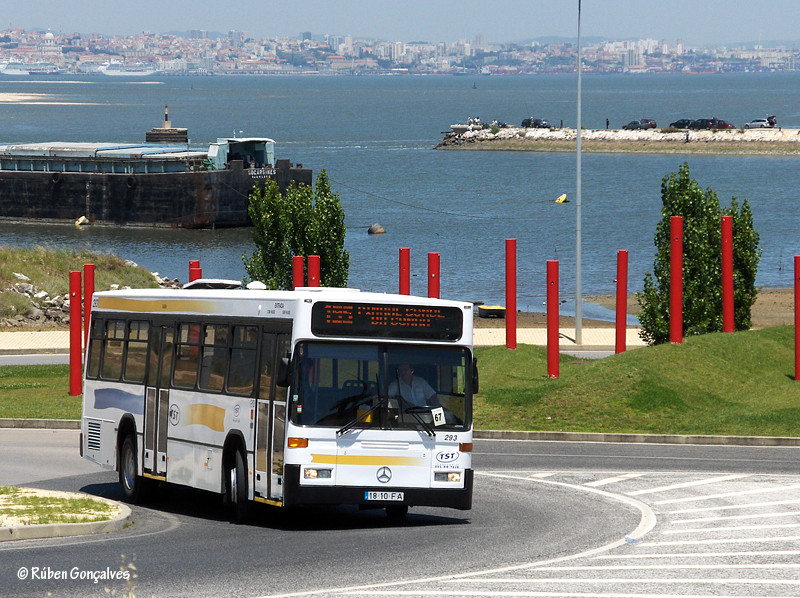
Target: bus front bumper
(295, 494)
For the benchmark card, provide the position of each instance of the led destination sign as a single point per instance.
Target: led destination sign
(386, 321)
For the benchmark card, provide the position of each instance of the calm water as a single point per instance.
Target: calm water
(374, 136)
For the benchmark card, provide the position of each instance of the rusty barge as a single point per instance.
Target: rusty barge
(162, 182)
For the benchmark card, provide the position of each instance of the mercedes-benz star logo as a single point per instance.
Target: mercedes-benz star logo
(384, 475)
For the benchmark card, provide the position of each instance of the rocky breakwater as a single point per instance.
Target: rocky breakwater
(43, 311)
(730, 141)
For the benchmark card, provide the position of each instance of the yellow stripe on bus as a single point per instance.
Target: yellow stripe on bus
(366, 460)
(206, 415)
(156, 305)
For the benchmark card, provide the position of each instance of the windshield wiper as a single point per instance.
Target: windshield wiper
(362, 416)
(414, 410)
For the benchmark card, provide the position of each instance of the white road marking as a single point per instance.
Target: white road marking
(737, 517)
(728, 494)
(695, 555)
(773, 539)
(614, 480)
(672, 567)
(751, 505)
(702, 530)
(703, 482)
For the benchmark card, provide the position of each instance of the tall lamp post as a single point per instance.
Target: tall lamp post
(578, 290)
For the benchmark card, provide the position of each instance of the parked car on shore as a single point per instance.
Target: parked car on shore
(758, 123)
(682, 123)
(535, 123)
(710, 123)
(642, 123)
(700, 123)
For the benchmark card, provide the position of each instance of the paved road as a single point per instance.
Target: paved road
(550, 519)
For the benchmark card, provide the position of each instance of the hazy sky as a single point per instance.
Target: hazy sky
(693, 21)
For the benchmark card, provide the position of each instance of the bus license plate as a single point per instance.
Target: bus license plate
(383, 496)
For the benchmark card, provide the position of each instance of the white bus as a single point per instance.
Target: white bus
(313, 396)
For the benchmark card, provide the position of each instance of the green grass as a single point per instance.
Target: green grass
(38, 392)
(729, 384)
(37, 510)
(48, 270)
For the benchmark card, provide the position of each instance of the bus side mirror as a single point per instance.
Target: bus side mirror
(475, 385)
(283, 372)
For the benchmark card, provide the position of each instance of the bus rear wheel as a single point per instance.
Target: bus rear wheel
(134, 486)
(242, 506)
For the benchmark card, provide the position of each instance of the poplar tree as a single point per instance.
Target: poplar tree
(702, 261)
(302, 222)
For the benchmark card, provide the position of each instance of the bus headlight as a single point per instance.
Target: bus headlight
(447, 476)
(314, 474)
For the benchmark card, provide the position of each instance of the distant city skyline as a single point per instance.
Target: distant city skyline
(695, 23)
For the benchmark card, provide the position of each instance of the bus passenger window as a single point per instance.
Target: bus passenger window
(95, 346)
(136, 355)
(267, 365)
(113, 350)
(243, 360)
(187, 356)
(214, 357)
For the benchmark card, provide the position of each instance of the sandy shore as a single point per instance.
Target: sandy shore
(732, 141)
(773, 307)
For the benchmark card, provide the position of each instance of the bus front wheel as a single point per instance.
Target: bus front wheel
(134, 486)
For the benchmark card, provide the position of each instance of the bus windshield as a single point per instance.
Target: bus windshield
(381, 385)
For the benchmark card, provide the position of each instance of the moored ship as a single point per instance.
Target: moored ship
(162, 182)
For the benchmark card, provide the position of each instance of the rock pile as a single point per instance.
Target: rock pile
(768, 141)
(50, 311)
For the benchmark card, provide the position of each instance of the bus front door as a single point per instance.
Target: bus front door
(156, 409)
(271, 418)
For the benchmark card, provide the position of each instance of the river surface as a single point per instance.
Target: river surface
(375, 136)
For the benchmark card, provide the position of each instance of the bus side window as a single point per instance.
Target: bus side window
(95, 347)
(242, 364)
(266, 369)
(136, 353)
(214, 357)
(187, 356)
(113, 350)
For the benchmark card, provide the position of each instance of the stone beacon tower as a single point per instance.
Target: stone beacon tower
(166, 133)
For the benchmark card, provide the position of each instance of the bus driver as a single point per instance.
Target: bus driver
(413, 389)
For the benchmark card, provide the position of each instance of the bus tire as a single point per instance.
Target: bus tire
(134, 486)
(242, 506)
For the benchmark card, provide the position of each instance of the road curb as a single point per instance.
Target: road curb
(75, 424)
(62, 530)
(639, 438)
(47, 424)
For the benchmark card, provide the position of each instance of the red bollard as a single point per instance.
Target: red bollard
(552, 319)
(405, 271)
(511, 293)
(298, 271)
(797, 317)
(622, 301)
(88, 291)
(727, 275)
(433, 275)
(676, 280)
(195, 271)
(313, 270)
(75, 334)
